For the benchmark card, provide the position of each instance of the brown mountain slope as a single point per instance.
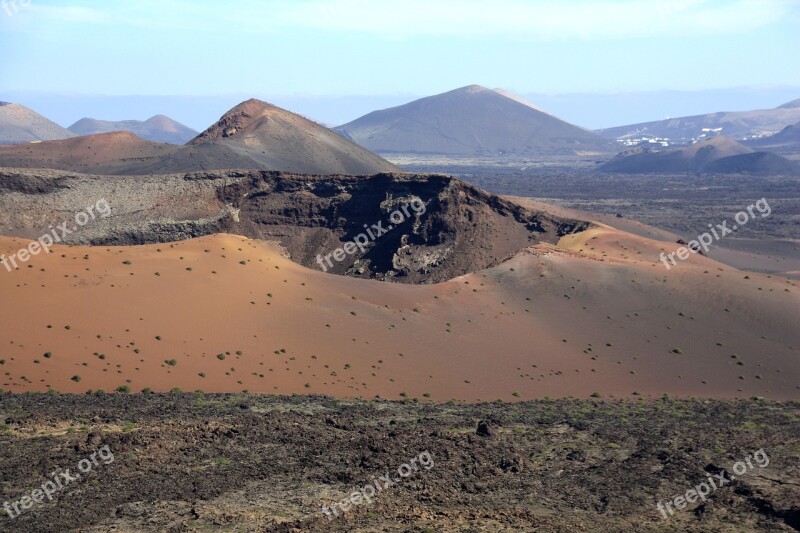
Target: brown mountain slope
(92, 153)
(536, 310)
(713, 149)
(595, 314)
(18, 124)
(279, 140)
(471, 121)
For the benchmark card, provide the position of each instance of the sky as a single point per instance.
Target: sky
(329, 51)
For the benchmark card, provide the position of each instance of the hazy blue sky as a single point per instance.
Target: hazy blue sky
(330, 48)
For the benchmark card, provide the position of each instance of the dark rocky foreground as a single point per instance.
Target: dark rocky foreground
(194, 462)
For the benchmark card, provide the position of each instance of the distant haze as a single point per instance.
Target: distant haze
(588, 110)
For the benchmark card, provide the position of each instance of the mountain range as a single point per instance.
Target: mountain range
(470, 122)
(159, 128)
(738, 125)
(252, 135)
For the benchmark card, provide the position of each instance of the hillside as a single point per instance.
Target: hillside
(785, 141)
(105, 152)
(470, 121)
(277, 139)
(794, 104)
(718, 154)
(685, 130)
(159, 128)
(526, 303)
(18, 124)
(253, 135)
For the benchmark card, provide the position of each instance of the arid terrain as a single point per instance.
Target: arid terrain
(492, 266)
(585, 310)
(683, 204)
(541, 362)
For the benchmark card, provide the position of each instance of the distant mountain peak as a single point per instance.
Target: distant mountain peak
(253, 106)
(721, 141)
(790, 105)
(158, 128)
(238, 119)
(473, 89)
(278, 139)
(471, 121)
(18, 124)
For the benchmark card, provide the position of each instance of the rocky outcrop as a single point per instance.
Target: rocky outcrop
(426, 228)
(401, 227)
